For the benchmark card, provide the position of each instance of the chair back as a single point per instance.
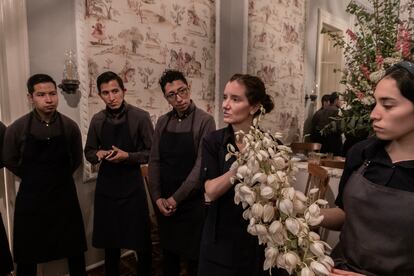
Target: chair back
(318, 178)
(144, 173)
(305, 148)
(337, 164)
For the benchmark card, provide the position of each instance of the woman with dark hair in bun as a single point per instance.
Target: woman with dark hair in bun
(376, 194)
(226, 247)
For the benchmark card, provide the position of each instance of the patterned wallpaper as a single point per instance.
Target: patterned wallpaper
(276, 54)
(139, 39)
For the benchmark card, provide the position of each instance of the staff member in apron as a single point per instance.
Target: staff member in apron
(174, 171)
(6, 262)
(44, 148)
(119, 137)
(226, 247)
(376, 192)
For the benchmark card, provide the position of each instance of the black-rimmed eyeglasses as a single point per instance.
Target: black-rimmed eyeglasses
(182, 92)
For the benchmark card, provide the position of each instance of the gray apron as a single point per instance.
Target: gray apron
(376, 238)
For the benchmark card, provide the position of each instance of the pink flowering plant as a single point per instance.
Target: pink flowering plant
(379, 40)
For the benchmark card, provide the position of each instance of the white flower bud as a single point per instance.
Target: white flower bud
(257, 210)
(264, 154)
(275, 227)
(313, 221)
(250, 199)
(245, 190)
(286, 206)
(242, 170)
(314, 210)
(322, 202)
(306, 271)
(247, 214)
(313, 191)
(317, 248)
(301, 196)
(252, 230)
(326, 261)
(288, 193)
(268, 212)
(261, 229)
(319, 268)
(292, 225)
(314, 236)
(271, 179)
(271, 254)
(291, 261)
(257, 177)
(299, 206)
(266, 192)
(271, 151)
(279, 163)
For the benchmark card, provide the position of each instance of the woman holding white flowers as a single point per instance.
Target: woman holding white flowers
(226, 247)
(376, 193)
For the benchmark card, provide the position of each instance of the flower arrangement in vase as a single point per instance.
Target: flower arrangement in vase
(379, 40)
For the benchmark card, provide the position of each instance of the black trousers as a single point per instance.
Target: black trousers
(76, 267)
(113, 258)
(171, 264)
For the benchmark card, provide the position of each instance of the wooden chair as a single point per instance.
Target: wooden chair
(144, 173)
(305, 148)
(318, 178)
(337, 164)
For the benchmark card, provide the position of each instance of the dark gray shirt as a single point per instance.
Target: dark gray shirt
(203, 124)
(15, 136)
(140, 129)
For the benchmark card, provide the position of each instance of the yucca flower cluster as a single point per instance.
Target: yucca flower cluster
(279, 215)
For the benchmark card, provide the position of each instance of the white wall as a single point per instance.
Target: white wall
(51, 31)
(337, 9)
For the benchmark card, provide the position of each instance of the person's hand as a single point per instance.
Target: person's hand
(339, 272)
(116, 155)
(101, 154)
(172, 204)
(162, 205)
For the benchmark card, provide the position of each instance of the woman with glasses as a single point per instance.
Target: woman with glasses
(226, 247)
(376, 192)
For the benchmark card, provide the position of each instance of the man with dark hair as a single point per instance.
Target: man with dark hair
(331, 140)
(174, 172)
(44, 148)
(119, 138)
(6, 262)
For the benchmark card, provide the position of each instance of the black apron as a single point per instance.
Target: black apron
(48, 222)
(121, 217)
(180, 233)
(376, 238)
(6, 262)
(227, 249)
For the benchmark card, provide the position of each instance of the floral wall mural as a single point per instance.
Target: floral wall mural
(276, 54)
(139, 39)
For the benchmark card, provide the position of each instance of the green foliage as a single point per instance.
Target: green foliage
(379, 40)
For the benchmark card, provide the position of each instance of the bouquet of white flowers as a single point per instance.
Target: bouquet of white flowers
(279, 215)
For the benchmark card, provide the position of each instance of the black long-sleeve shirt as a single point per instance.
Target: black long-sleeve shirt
(15, 137)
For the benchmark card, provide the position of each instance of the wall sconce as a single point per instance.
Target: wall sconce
(70, 82)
